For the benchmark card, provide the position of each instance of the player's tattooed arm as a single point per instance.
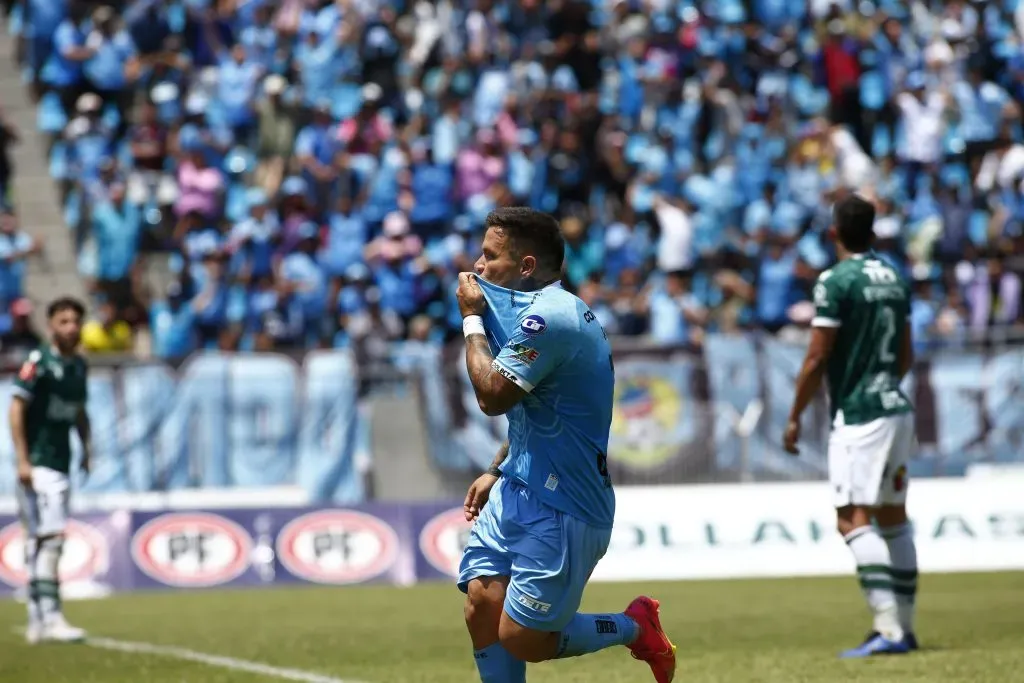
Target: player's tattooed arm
(808, 383)
(494, 393)
(495, 468)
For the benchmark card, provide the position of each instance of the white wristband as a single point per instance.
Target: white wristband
(473, 324)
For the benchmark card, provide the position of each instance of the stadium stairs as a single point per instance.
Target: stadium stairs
(55, 272)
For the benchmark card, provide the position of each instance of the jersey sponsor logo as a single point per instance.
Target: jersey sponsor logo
(523, 354)
(533, 604)
(86, 554)
(337, 547)
(505, 373)
(59, 410)
(443, 539)
(192, 549)
(533, 324)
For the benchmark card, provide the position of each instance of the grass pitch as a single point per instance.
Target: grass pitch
(971, 628)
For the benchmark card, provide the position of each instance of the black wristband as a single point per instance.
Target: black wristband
(494, 471)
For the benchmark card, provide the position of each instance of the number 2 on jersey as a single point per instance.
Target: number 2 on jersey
(887, 329)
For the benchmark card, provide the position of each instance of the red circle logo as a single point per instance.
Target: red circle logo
(444, 538)
(337, 547)
(86, 553)
(192, 549)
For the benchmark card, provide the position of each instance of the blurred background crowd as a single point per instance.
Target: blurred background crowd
(314, 173)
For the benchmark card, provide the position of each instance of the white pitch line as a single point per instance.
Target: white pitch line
(231, 663)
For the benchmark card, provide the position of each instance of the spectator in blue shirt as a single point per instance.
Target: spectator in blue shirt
(16, 246)
(172, 325)
(237, 79)
(315, 149)
(252, 242)
(89, 140)
(775, 280)
(432, 187)
(304, 276)
(677, 318)
(347, 234)
(113, 67)
(116, 225)
(62, 69)
(42, 19)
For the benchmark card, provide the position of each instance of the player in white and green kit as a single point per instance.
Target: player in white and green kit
(861, 338)
(48, 401)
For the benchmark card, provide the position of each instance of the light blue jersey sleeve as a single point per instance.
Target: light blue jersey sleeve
(541, 342)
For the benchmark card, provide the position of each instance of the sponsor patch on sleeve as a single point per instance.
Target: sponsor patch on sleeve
(523, 354)
(504, 373)
(533, 324)
(28, 371)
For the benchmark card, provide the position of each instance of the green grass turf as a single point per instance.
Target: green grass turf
(785, 631)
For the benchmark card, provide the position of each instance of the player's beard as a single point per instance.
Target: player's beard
(67, 344)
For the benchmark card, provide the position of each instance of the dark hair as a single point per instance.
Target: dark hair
(531, 232)
(854, 218)
(65, 303)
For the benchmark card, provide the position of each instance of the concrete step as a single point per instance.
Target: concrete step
(55, 273)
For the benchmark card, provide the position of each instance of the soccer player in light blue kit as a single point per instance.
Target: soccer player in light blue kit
(544, 509)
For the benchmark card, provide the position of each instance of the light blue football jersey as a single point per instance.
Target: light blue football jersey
(550, 344)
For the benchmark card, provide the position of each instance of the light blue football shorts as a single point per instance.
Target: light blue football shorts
(549, 555)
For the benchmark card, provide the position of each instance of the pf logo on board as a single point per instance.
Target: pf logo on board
(443, 539)
(192, 549)
(337, 547)
(86, 554)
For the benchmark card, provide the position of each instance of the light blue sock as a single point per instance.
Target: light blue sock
(496, 665)
(588, 633)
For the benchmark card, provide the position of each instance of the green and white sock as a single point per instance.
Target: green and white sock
(874, 571)
(47, 584)
(903, 552)
(31, 593)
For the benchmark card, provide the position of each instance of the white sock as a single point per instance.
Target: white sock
(903, 552)
(874, 571)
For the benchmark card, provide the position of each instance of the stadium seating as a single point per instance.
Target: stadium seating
(315, 174)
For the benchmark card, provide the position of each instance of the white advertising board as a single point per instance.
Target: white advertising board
(777, 530)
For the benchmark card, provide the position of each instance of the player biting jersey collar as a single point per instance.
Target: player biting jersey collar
(545, 508)
(861, 339)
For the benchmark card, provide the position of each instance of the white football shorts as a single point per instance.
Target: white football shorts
(867, 463)
(44, 508)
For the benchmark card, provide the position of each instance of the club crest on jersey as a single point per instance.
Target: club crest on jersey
(533, 324)
(523, 354)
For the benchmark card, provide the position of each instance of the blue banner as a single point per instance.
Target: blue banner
(676, 413)
(220, 421)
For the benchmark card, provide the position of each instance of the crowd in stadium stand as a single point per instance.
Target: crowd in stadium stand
(319, 170)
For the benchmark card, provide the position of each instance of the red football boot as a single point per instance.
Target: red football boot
(652, 645)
